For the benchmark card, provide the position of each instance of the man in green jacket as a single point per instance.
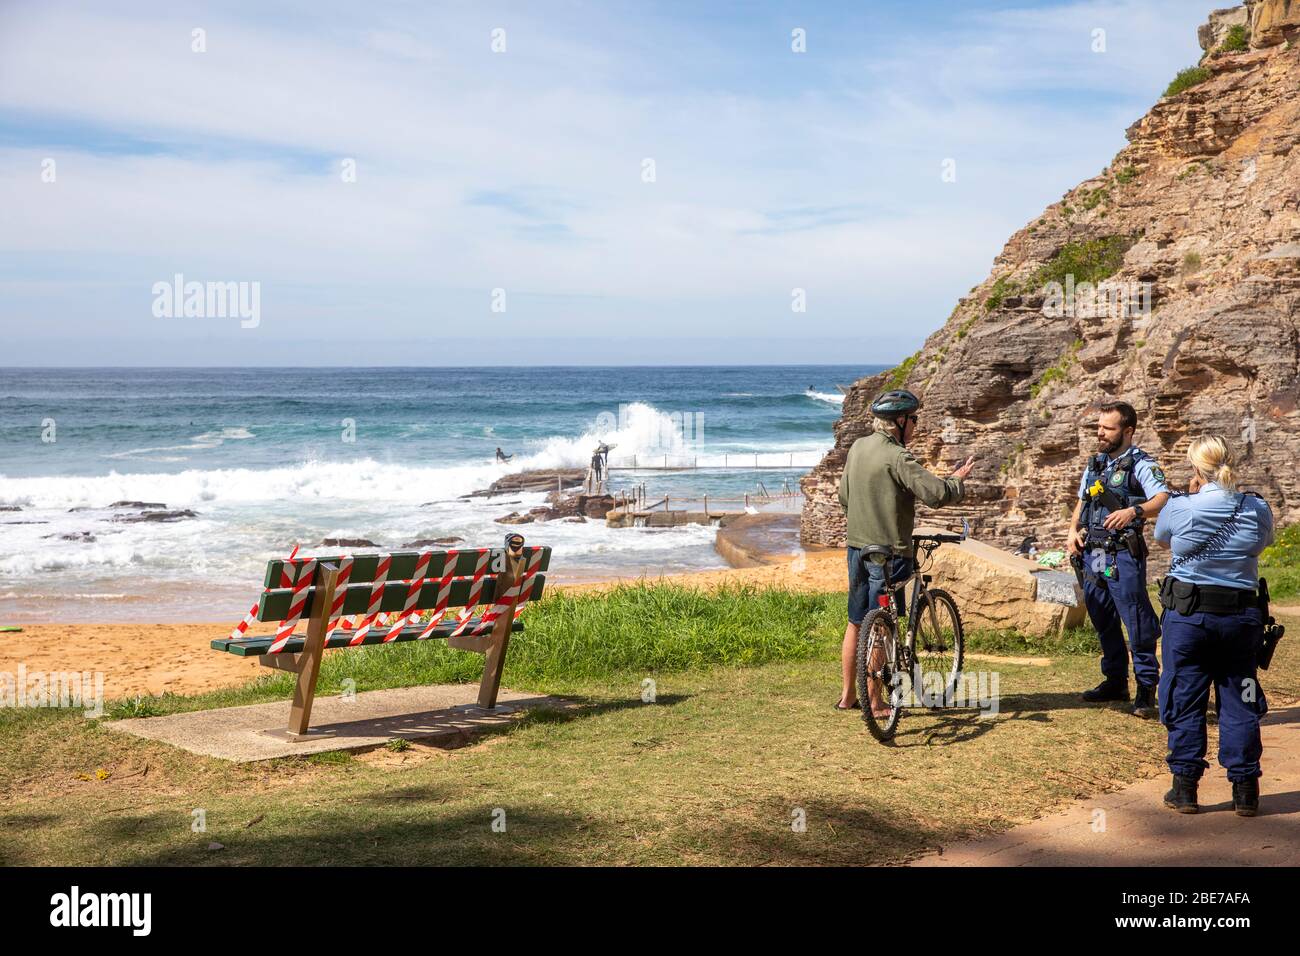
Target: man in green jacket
(878, 490)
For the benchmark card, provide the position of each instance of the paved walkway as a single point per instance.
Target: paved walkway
(362, 722)
(1132, 827)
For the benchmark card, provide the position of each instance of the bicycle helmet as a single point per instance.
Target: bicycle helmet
(891, 404)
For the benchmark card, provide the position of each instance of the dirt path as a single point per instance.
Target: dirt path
(1132, 827)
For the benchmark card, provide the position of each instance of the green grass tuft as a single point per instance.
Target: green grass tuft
(138, 706)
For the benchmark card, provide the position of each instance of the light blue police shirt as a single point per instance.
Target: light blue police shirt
(1148, 473)
(1232, 562)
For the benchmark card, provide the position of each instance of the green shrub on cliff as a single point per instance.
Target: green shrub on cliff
(1237, 40)
(899, 374)
(1089, 261)
(1095, 197)
(1001, 289)
(1186, 79)
(1057, 372)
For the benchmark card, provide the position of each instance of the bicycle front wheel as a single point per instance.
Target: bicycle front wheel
(939, 649)
(879, 674)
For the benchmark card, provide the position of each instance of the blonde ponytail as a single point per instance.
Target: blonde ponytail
(1212, 458)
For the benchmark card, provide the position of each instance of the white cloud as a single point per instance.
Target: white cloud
(553, 133)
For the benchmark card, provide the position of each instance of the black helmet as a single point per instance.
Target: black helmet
(891, 404)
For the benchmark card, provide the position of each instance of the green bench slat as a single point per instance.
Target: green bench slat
(274, 605)
(257, 646)
(403, 564)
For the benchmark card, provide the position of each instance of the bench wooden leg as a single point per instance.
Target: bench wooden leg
(495, 657)
(304, 692)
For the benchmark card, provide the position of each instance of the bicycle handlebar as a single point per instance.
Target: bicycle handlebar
(938, 538)
(945, 537)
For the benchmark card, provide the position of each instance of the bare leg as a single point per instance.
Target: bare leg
(849, 665)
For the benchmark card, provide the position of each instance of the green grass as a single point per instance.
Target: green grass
(741, 739)
(1074, 641)
(1280, 563)
(1186, 79)
(1126, 175)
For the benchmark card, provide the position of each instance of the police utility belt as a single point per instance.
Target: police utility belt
(1188, 598)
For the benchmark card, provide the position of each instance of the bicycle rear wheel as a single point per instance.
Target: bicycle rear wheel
(878, 673)
(940, 648)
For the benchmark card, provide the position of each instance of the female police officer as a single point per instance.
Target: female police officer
(1212, 626)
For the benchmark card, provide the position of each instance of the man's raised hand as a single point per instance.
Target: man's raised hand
(965, 468)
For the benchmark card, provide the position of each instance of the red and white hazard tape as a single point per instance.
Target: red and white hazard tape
(376, 600)
(475, 591)
(306, 571)
(444, 593)
(515, 591)
(241, 628)
(418, 578)
(340, 595)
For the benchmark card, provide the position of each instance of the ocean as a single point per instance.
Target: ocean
(270, 458)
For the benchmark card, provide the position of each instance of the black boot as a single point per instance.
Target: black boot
(1182, 796)
(1245, 797)
(1109, 689)
(1144, 701)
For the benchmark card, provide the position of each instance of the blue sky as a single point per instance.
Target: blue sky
(523, 170)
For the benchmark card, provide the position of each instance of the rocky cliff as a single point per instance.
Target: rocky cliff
(1171, 280)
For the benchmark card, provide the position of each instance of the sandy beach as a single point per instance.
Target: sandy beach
(147, 658)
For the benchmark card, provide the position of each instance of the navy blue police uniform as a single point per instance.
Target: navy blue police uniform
(1213, 631)
(1115, 565)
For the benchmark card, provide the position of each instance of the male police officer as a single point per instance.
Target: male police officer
(1122, 486)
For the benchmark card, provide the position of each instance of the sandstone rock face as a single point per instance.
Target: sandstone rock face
(1273, 21)
(999, 591)
(1212, 34)
(1194, 233)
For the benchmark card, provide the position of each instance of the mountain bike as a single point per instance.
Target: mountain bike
(924, 664)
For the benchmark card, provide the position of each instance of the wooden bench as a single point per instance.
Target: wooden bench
(325, 591)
